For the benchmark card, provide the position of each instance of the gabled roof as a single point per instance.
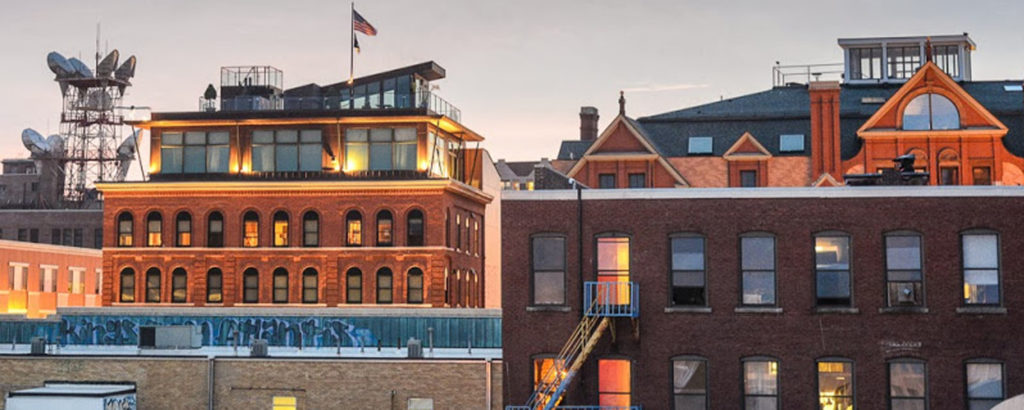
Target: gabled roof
(572, 150)
(637, 131)
(747, 147)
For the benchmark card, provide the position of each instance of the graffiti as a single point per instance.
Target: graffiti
(119, 403)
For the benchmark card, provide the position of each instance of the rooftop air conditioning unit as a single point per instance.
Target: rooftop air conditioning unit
(415, 348)
(906, 294)
(38, 346)
(170, 337)
(259, 348)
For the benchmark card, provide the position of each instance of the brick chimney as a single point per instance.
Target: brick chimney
(588, 123)
(825, 148)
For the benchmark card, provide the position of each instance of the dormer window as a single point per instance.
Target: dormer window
(930, 112)
(699, 146)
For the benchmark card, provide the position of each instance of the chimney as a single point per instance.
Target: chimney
(825, 146)
(588, 123)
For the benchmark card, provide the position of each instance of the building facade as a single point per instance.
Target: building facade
(40, 278)
(866, 297)
(347, 194)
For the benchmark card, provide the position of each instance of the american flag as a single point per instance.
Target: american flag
(361, 25)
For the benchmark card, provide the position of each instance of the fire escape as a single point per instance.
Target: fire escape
(602, 301)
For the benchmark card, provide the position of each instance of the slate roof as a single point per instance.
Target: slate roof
(573, 149)
(786, 110)
(522, 168)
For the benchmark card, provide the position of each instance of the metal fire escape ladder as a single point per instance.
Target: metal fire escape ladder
(552, 385)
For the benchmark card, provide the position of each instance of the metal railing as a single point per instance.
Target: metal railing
(580, 408)
(422, 99)
(612, 299)
(805, 73)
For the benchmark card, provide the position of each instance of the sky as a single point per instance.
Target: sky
(519, 70)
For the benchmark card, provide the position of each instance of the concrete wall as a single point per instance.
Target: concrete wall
(243, 383)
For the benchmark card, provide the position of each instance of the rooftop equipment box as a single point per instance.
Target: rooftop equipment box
(73, 396)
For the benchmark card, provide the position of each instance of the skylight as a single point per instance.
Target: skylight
(700, 145)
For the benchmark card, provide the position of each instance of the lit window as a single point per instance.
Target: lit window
(791, 143)
(544, 370)
(907, 383)
(688, 275)
(414, 286)
(251, 230)
(77, 285)
(354, 228)
(124, 229)
(183, 229)
(251, 286)
(127, 285)
(215, 230)
(384, 286)
(606, 181)
(48, 279)
(614, 380)
(699, 145)
(981, 269)
(415, 228)
(384, 228)
(179, 286)
(835, 385)
(832, 267)
(689, 383)
(758, 265)
(311, 229)
(760, 384)
(214, 286)
(931, 112)
(984, 385)
(17, 276)
(280, 228)
(153, 285)
(548, 267)
(613, 266)
(354, 286)
(310, 286)
(285, 403)
(154, 229)
(380, 149)
(904, 276)
(280, 285)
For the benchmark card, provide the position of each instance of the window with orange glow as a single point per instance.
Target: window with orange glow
(280, 229)
(124, 229)
(251, 230)
(614, 384)
(127, 285)
(835, 385)
(544, 370)
(154, 229)
(613, 266)
(384, 228)
(153, 285)
(183, 225)
(354, 228)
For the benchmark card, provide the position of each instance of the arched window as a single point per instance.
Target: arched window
(183, 229)
(154, 229)
(689, 382)
(153, 285)
(354, 286)
(385, 228)
(384, 286)
(251, 230)
(949, 167)
(415, 231)
(280, 228)
(354, 228)
(310, 286)
(920, 159)
(127, 285)
(311, 229)
(125, 229)
(931, 112)
(280, 285)
(214, 286)
(179, 286)
(251, 286)
(414, 286)
(215, 230)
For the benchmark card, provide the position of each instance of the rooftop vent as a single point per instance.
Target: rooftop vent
(872, 100)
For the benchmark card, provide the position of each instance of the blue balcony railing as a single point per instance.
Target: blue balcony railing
(612, 299)
(580, 408)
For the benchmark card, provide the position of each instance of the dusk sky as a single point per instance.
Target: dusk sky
(519, 71)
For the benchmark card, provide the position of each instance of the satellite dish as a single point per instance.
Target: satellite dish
(59, 65)
(127, 70)
(126, 150)
(56, 143)
(81, 69)
(107, 65)
(35, 142)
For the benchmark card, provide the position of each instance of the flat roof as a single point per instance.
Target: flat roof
(76, 389)
(274, 352)
(769, 193)
(942, 38)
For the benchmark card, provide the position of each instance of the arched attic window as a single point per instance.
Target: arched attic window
(930, 112)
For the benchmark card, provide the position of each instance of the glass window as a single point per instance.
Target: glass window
(215, 230)
(380, 149)
(699, 145)
(389, 93)
(373, 94)
(760, 384)
(183, 225)
(614, 380)
(384, 286)
(544, 370)
(280, 228)
(758, 265)
(124, 229)
(311, 229)
(262, 151)
(689, 383)
(404, 94)
(832, 270)
(931, 112)
(791, 143)
(195, 152)
(688, 272)
(949, 176)
(984, 385)
(354, 286)
(982, 175)
(127, 285)
(280, 285)
(748, 179)
(835, 385)
(904, 276)
(218, 152)
(154, 229)
(415, 229)
(179, 286)
(310, 150)
(637, 180)
(353, 228)
(903, 62)
(415, 286)
(392, 149)
(606, 181)
(981, 269)
(613, 266)
(866, 63)
(359, 97)
(907, 383)
(548, 269)
(153, 285)
(171, 152)
(251, 286)
(947, 58)
(385, 228)
(310, 286)
(357, 149)
(287, 150)
(214, 286)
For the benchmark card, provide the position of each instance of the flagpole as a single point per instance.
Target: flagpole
(352, 44)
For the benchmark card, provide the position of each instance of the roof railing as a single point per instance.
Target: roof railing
(422, 99)
(783, 75)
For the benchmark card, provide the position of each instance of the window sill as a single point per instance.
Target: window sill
(981, 310)
(759, 310)
(688, 309)
(903, 309)
(547, 309)
(837, 310)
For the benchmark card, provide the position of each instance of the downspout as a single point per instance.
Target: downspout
(211, 384)
(579, 255)
(487, 372)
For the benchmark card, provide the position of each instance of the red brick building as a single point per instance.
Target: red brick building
(40, 278)
(352, 193)
(792, 298)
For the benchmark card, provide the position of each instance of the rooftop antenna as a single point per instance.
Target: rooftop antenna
(98, 56)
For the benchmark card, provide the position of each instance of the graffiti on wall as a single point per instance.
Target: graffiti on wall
(119, 403)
